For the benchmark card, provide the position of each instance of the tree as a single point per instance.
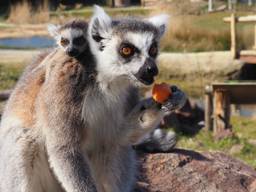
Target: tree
(210, 5)
(250, 2)
(122, 3)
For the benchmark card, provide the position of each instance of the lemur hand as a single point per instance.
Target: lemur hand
(175, 101)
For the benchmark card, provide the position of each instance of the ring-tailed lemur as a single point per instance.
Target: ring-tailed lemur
(87, 114)
(71, 37)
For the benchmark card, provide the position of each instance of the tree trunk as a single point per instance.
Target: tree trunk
(189, 171)
(250, 2)
(110, 3)
(122, 3)
(229, 4)
(210, 5)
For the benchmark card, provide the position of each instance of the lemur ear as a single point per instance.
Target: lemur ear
(100, 24)
(53, 30)
(160, 21)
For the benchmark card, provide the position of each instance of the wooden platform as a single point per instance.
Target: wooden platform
(239, 93)
(219, 97)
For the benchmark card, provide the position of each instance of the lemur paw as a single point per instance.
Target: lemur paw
(176, 101)
(158, 141)
(150, 118)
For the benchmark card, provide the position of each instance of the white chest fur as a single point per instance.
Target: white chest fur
(103, 112)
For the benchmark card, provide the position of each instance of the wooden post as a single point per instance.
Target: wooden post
(143, 3)
(122, 3)
(210, 5)
(229, 4)
(233, 35)
(208, 114)
(250, 3)
(221, 112)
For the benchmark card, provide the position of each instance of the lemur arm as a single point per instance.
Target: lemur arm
(144, 117)
(63, 137)
(68, 163)
(60, 103)
(147, 114)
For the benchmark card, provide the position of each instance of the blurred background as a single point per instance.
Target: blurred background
(195, 52)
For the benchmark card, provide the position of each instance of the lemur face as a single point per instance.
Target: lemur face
(70, 37)
(128, 47)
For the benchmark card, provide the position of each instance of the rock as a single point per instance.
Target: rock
(253, 186)
(190, 171)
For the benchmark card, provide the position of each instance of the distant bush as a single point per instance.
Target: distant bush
(23, 13)
(185, 36)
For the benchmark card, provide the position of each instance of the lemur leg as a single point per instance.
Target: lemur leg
(62, 127)
(29, 163)
(117, 181)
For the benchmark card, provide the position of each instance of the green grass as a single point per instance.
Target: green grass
(244, 129)
(4, 25)
(86, 12)
(9, 74)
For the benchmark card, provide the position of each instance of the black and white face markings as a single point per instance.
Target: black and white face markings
(126, 47)
(71, 37)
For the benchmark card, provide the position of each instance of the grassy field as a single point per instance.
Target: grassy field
(207, 32)
(242, 145)
(86, 12)
(9, 74)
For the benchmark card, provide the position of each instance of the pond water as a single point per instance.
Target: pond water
(35, 42)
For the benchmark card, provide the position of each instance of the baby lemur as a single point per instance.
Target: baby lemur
(22, 112)
(87, 113)
(71, 37)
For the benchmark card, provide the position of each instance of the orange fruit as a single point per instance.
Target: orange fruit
(161, 92)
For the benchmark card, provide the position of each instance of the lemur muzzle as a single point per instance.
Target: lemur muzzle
(147, 72)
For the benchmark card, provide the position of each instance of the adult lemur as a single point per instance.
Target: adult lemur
(87, 113)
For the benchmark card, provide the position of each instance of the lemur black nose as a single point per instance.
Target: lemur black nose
(152, 70)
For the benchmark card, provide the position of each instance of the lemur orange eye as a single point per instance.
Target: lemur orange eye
(127, 50)
(153, 51)
(64, 42)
